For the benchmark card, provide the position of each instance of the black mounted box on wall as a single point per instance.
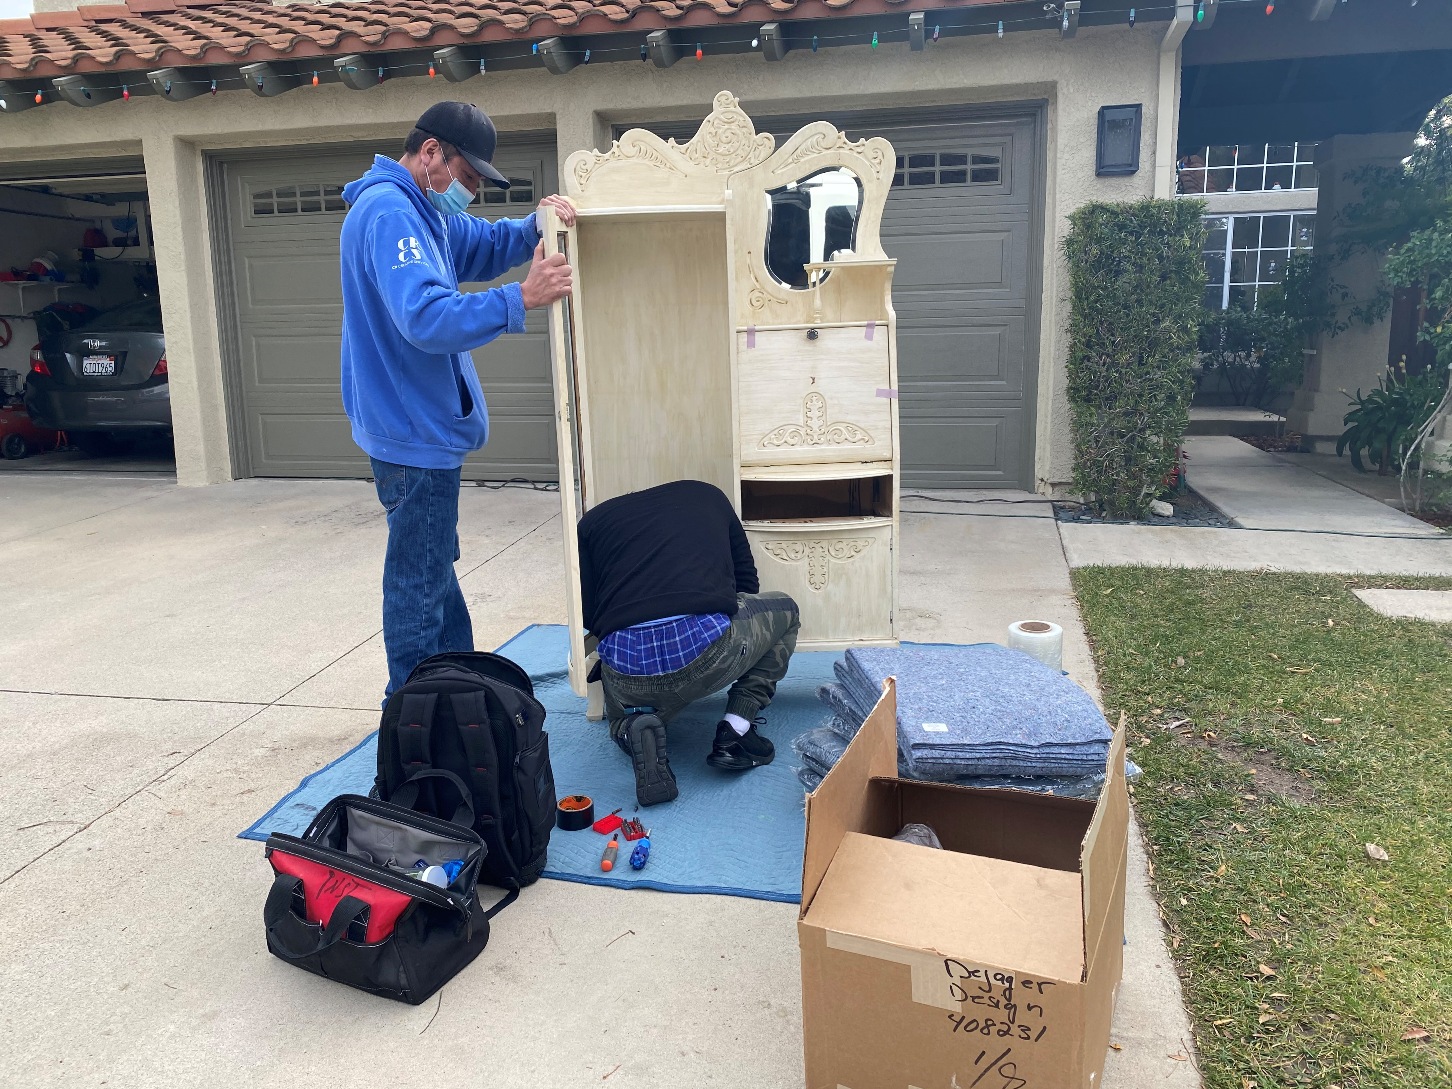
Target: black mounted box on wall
(1118, 149)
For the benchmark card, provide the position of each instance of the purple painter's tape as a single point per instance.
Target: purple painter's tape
(871, 331)
(751, 336)
(890, 394)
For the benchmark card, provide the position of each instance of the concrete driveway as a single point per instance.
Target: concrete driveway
(176, 659)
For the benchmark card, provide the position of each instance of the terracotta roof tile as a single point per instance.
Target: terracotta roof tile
(143, 34)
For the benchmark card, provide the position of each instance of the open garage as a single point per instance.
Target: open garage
(83, 369)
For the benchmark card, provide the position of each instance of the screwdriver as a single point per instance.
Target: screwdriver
(641, 854)
(607, 860)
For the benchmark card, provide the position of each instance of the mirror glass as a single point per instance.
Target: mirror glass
(810, 220)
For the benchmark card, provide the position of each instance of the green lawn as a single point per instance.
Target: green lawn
(1282, 727)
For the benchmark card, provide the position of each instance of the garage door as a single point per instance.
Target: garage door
(283, 218)
(960, 219)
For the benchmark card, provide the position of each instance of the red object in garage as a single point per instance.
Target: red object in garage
(19, 437)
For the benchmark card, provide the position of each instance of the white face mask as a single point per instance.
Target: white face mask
(453, 200)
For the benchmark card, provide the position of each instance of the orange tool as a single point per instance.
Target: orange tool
(607, 860)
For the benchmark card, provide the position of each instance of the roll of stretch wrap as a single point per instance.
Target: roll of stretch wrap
(1039, 638)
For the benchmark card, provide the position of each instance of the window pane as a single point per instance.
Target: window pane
(926, 177)
(1243, 297)
(1272, 266)
(897, 179)
(1281, 153)
(1307, 177)
(310, 204)
(952, 158)
(953, 177)
(986, 175)
(922, 160)
(1279, 177)
(986, 160)
(1246, 232)
(1214, 297)
(1305, 231)
(1252, 154)
(1243, 267)
(1218, 232)
(1275, 232)
(1219, 181)
(1215, 268)
(1221, 156)
(1250, 179)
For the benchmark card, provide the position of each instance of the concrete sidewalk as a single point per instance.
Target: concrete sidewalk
(1292, 519)
(182, 657)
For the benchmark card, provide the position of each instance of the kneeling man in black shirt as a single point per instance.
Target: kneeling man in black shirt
(669, 589)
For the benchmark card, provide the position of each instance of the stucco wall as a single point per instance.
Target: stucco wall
(1101, 66)
(1356, 358)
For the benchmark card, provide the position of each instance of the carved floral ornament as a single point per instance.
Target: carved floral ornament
(815, 430)
(726, 141)
(822, 143)
(819, 555)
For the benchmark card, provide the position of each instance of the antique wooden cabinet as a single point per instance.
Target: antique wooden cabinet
(732, 321)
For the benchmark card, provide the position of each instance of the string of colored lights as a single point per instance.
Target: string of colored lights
(1052, 12)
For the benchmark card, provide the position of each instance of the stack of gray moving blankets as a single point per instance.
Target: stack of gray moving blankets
(979, 715)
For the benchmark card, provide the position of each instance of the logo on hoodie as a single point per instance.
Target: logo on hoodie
(408, 251)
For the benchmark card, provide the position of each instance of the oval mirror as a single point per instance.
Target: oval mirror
(808, 221)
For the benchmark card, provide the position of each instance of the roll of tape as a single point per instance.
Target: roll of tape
(1041, 639)
(574, 812)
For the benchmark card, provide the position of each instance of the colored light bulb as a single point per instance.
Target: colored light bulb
(315, 79)
(699, 51)
(432, 73)
(874, 39)
(125, 93)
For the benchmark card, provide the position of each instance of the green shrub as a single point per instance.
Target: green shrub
(1386, 420)
(1136, 276)
(1253, 350)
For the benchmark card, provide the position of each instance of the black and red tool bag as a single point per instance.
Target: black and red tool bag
(474, 716)
(343, 905)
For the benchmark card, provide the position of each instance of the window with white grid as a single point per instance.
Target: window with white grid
(1248, 168)
(1244, 254)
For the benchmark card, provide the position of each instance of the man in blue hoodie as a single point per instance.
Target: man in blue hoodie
(409, 383)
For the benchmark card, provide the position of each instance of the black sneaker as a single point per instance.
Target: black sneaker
(740, 752)
(643, 738)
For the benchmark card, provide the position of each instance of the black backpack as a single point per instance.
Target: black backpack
(466, 733)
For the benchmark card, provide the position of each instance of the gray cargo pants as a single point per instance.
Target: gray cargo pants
(751, 656)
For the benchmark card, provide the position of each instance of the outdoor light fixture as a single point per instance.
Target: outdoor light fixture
(773, 41)
(1118, 150)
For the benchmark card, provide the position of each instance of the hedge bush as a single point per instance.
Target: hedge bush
(1136, 277)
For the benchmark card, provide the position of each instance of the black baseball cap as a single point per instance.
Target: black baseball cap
(469, 129)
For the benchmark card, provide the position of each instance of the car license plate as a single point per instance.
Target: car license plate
(98, 364)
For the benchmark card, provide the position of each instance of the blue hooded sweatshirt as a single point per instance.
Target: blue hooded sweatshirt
(409, 385)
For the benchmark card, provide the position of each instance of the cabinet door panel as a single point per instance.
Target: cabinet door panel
(839, 574)
(804, 401)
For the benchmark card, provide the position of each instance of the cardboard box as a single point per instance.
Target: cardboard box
(991, 964)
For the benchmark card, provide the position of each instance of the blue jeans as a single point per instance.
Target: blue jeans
(423, 608)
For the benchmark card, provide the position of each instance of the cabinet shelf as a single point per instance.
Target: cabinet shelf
(818, 525)
(846, 470)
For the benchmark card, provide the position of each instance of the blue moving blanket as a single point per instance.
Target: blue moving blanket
(733, 834)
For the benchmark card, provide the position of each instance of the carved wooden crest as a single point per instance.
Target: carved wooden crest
(727, 141)
(819, 555)
(815, 430)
